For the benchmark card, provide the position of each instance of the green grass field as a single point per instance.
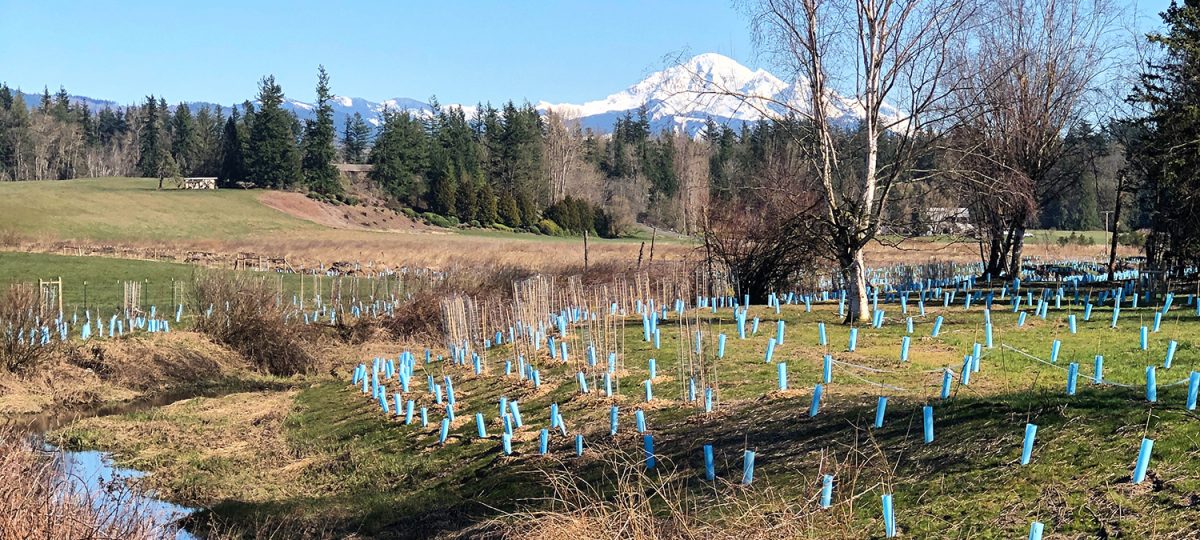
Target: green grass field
(112, 209)
(371, 474)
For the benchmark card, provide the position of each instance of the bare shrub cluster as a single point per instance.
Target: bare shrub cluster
(246, 314)
(21, 313)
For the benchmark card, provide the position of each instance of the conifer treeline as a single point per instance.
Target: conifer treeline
(510, 165)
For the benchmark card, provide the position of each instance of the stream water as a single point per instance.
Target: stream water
(93, 472)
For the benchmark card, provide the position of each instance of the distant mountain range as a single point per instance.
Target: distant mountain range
(680, 98)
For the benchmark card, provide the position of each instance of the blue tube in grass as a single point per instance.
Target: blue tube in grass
(747, 467)
(853, 344)
(1027, 445)
(652, 367)
(399, 403)
(782, 376)
(649, 390)
(581, 381)
(927, 415)
(708, 399)
(1071, 323)
(1171, 346)
(657, 339)
(553, 415)
(816, 401)
(710, 472)
(827, 369)
(1157, 321)
(1193, 387)
(937, 326)
(424, 417)
(1035, 530)
(770, 350)
(827, 491)
(445, 431)
(607, 385)
(1151, 385)
(908, 325)
(1098, 370)
(480, 426)
(721, 346)
(408, 412)
(947, 376)
(691, 396)
(1116, 315)
(516, 413)
(450, 412)
(578, 445)
(779, 325)
(880, 411)
(904, 344)
(1021, 318)
(987, 334)
(506, 443)
(612, 420)
(1143, 461)
(1144, 338)
(1087, 311)
(639, 418)
(1054, 349)
(648, 447)
(1072, 377)
(889, 517)
(965, 373)
(543, 441)
(754, 327)
(697, 342)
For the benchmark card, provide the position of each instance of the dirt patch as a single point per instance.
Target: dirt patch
(372, 215)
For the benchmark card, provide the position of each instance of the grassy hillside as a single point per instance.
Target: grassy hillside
(111, 209)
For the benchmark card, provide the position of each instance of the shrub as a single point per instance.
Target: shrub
(20, 317)
(549, 227)
(502, 227)
(436, 220)
(412, 214)
(243, 313)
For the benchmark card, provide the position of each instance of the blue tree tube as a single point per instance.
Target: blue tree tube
(516, 413)
(904, 344)
(937, 326)
(1021, 319)
(908, 325)
(1071, 323)
(1116, 314)
(1144, 338)
(1193, 387)
(482, 429)
(708, 399)
(578, 445)
(607, 385)
(506, 443)
(1098, 370)
(1072, 377)
(553, 415)
(612, 421)
(770, 350)
(1143, 461)
(827, 369)
(779, 332)
(827, 491)
(747, 467)
(822, 338)
(649, 390)
(1027, 445)
(1035, 530)
(816, 401)
(408, 412)
(721, 346)
(1171, 346)
(543, 441)
(1054, 349)
(445, 432)
(710, 472)
(889, 517)
(927, 413)
(853, 339)
(1151, 385)
(1157, 321)
(648, 446)
(639, 418)
(947, 376)
(880, 411)
(424, 417)
(782, 368)
(652, 368)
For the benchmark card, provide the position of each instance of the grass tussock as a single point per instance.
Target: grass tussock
(36, 501)
(247, 315)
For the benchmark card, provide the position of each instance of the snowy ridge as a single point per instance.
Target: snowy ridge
(680, 98)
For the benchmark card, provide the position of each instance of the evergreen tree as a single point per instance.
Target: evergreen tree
(319, 153)
(356, 136)
(155, 159)
(271, 156)
(509, 213)
(233, 161)
(486, 201)
(399, 158)
(184, 139)
(465, 200)
(442, 191)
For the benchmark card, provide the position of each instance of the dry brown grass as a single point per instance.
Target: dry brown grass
(36, 501)
(21, 312)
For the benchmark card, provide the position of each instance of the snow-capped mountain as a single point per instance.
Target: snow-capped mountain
(679, 98)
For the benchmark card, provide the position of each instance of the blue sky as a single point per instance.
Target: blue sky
(216, 50)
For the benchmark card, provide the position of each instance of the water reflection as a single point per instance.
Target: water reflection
(93, 473)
